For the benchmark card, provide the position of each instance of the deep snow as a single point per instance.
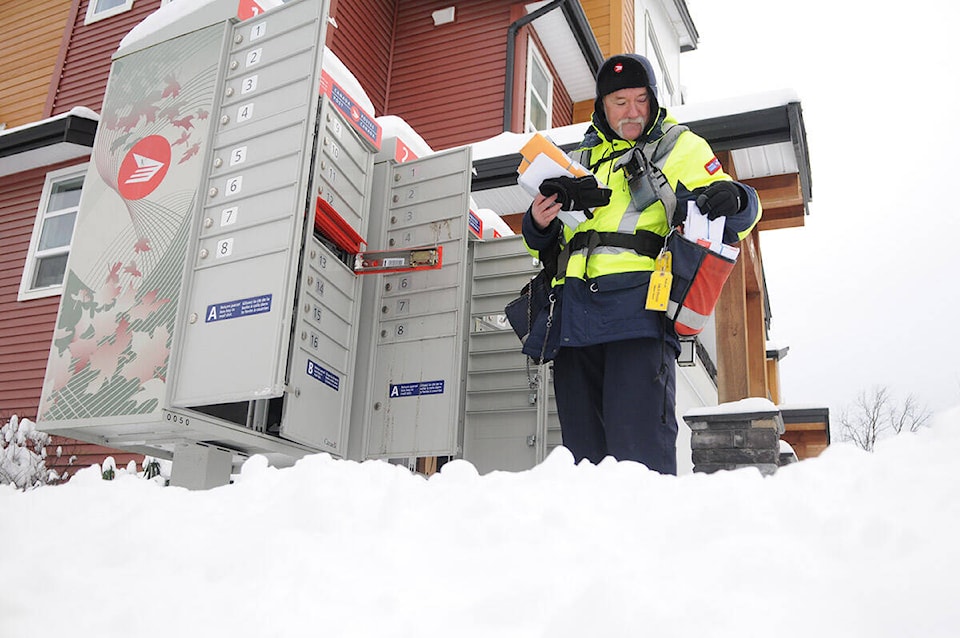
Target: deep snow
(847, 544)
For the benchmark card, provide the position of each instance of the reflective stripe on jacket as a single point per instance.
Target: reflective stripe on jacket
(687, 165)
(602, 298)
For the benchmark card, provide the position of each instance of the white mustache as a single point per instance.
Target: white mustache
(630, 120)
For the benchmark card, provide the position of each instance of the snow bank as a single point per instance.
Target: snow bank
(847, 544)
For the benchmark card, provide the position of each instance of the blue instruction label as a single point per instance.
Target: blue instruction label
(421, 388)
(323, 375)
(239, 308)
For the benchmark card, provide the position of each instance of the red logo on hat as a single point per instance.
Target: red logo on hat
(144, 167)
(618, 67)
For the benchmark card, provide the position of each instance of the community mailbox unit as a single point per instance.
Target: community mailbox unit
(212, 302)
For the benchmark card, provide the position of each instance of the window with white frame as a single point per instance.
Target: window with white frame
(100, 9)
(52, 234)
(539, 98)
(665, 87)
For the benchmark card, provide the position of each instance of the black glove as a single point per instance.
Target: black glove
(721, 199)
(576, 193)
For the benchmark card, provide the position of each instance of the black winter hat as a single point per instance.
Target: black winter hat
(626, 71)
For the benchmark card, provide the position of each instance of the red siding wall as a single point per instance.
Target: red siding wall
(447, 81)
(26, 327)
(363, 40)
(86, 66)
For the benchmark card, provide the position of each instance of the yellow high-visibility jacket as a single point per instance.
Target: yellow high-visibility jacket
(602, 290)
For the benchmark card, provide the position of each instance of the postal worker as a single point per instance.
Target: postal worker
(614, 360)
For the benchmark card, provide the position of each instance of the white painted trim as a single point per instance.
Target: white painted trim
(534, 56)
(95, 16)
(26, 292)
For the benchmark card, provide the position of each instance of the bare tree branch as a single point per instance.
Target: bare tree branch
(876, 414)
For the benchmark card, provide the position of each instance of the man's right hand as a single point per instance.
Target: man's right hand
(544, 210)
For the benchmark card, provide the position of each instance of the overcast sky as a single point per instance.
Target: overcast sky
(866, 294)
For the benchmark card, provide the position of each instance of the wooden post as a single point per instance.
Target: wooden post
(732, 369)
(756, 347)
(741, 323)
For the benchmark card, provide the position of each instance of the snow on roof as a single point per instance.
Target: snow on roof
(165, 16)
(697, 111)
(510, 143)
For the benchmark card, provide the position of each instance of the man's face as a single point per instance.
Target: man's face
(627, 111)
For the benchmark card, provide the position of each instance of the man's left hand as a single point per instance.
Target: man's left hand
(721, 199)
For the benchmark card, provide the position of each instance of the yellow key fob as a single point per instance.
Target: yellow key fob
(658, 295)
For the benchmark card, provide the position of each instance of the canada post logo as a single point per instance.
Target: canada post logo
(144, 167)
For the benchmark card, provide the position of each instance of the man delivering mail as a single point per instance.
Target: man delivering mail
(615, 372)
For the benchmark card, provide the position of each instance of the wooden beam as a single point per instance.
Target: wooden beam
(791, 218)
(773, 380)
(782, 200)
(756, 346)
(750, 254)
(741, 318)
(730, 316)
(805, 444)
(778, 191)
(818, 426)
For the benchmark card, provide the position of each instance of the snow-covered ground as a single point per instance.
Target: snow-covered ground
(849, 544)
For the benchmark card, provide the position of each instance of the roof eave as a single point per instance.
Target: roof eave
(689, 37)
(757, 128)
(583, 33)
(71, 129)
(54, 140)
(775, 124)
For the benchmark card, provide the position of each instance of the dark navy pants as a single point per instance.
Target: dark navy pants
(619, 399)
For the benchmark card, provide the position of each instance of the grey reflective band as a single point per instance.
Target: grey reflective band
(656, 154)
(606, 250)
(628, 223)
(686, 316)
